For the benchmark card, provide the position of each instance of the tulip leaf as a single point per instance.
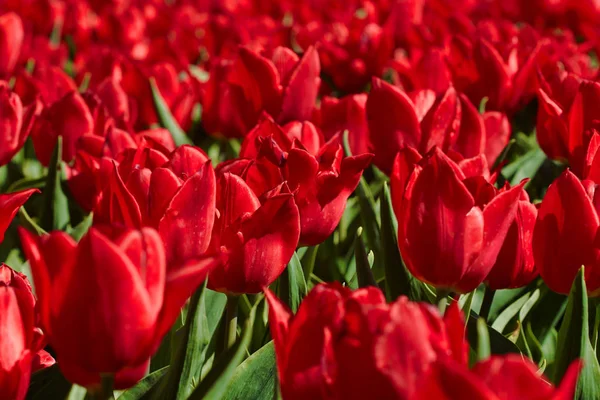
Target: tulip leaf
(77, 393)
(509, 313)
(189, 354)
(398, 280)
(308, 261)
(483, 340)
(292, 284)
(255, 377)
(363, 267)
(215, 384)
(144, 387)
(55, 214)
(166, 117)
(498, 343)
(48, 383)
(524, 167)
(547, 313)
(368, 213)
(81, 229)
(574, 343)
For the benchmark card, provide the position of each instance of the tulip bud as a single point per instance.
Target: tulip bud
(11, 41)
(115, 287)
(20, 343)
(451, 225)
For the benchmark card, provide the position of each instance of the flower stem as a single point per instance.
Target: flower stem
(231, 321)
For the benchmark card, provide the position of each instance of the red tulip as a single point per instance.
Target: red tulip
(70, 118)
(175, 195)
(21, 343)
(11, 41)
(283, 85)
(352, 345)
(422, 121)
(566, 121)
(321, 182)
(15, 123)
(257, 239)
(9, 206)
(451, 226)
(564, 238)
(115, 287)
(504, 377)
(514, 266)
(337, 115)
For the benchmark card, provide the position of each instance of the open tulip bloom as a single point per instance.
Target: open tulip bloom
(281, 199)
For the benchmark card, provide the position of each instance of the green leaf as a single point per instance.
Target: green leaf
(292, 286)
(398, 280)
(525, 167)
(48, 383)
(574, 343)
(363, 267)
(166, 117)
(483, 340)
(77, 393)
(55, 214)
(498, 343)
(215, 383)
(255, 377)
(144, 387)
(81, 229)
(308, 261)
(190, 352)
(509, 313)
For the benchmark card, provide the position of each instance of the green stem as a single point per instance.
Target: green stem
(231, 321)
(442, 299)
(486, 305)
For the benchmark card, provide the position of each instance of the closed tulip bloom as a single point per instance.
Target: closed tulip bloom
(352, 345)
(11, 41)
(256, 238)
(565, 234)
(15, 123)
(567, 120)
(281, 84)
(423, 120)
(515, 266)
(21, 342)
(451, 225)
(9, 206)
(115, 287)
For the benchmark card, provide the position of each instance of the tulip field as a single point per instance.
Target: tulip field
(299, 199)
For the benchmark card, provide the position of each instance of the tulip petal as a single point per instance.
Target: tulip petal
(393, 123)
(300, 93)
(188, 221)
(9, 206)
(186, 160)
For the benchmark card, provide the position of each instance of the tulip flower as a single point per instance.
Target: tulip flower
(21, 343)
(9, 206)
(352, 345)
(256, 238)
(451, 225)
(321, 183)
(422, 121)
(70, 118)
(503, 377)
(115, 287)
(564, 237)
(11, 41)
(515, 266)
(567, 119)
(176, 196)
(347, 113)
(283, 85)
(15, 123)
